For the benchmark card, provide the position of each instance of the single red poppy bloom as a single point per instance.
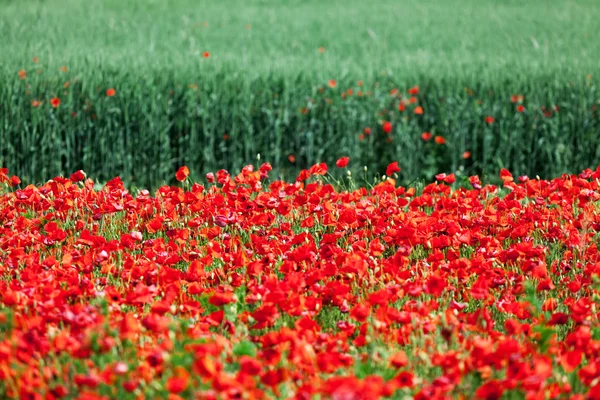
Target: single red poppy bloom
(520, 108)
(413, 90)
(392, 168)
(440, 140)
(419, 110)
(77, 176)
(489, 120)
(367, 131)
(22, 74)
(332, 83)
(206, 54)
(426, 136)
(35, 103)
(176, 385)
(182, 173)
(387, 127)
(342, 162)
(292, 158)
(466, 155)
(111, 92)
(55, 102)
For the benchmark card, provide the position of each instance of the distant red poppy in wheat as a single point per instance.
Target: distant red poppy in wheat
(342, 162)
(387, 127)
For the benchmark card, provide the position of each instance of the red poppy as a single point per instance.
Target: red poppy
(387, 127)
(77, 176)
(332, 83)
(520, 108)
(440, 140)
(110, 92)
(182, 173)
(55, 102)
(292, 158)
(418, 110)
(414, 90)
(466, 155)
(206, 54)
(367, 131)
(22, 74)
(426, 136)
(399, 360)
(489, 120)
(392, 168)
(63, 68)
(35, 103)
(342, 162)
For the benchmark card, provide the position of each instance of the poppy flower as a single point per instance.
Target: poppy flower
(418, 110)
(342, 162)
(466, 155)
(367, 131)
(182, 173)
(426, 136)
(520, 108)
(35, 103)
(332, 83)
(440, 140)
(55, 102)
(63, 68)
(392, 168)
(77, 176)
(413, 90)
(387, 127)
(206, 54)
(489, 120)
(22, 74)
(292, 158)
(110, 92)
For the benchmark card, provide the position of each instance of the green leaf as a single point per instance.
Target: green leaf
(244, 348)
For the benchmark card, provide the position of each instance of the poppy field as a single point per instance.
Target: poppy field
(250, 287)
(299, 199)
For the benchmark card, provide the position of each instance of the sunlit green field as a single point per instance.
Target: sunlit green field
(213, 84)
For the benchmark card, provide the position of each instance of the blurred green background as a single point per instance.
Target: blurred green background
(265, 87)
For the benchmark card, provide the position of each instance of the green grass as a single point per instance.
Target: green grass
(265, 66)
(402, 38)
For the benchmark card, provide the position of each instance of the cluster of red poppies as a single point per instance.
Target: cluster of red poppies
(250, 288)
